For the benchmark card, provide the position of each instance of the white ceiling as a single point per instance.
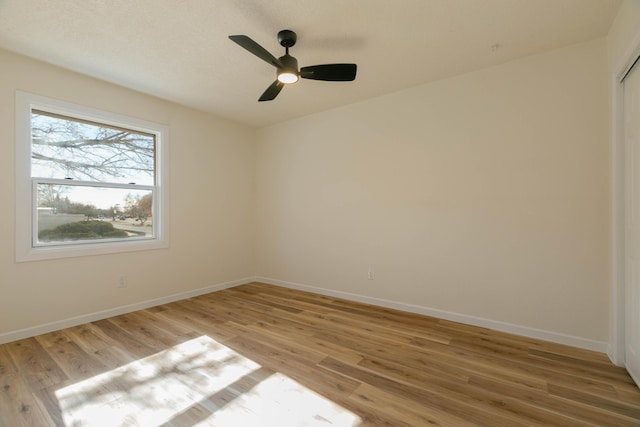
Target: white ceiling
(179, 49)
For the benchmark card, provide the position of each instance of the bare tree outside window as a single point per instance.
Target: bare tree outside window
(66, 148)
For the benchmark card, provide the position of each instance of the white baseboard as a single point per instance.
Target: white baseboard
(511, 328)
(92, 317)
(616, 357)
(441, 314)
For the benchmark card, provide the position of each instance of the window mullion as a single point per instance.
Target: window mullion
(79, 183)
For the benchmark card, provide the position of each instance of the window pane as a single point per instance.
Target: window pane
(67, 148)
(74, 212)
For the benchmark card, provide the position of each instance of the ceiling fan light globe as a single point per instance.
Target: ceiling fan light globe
(287, 77)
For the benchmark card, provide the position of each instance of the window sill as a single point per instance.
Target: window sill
(88, 249)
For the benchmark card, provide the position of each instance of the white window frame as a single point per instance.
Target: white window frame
(27, 248)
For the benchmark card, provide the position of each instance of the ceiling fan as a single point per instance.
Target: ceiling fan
(287, 66)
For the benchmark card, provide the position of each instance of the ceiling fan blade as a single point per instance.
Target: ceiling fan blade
(272, 91)
(253, 47)
(330, 72)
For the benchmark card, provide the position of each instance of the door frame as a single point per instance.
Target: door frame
(617, 341)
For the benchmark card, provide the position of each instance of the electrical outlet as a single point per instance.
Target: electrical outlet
(122, 281)
(371, 274)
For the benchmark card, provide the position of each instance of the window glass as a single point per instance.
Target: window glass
(69, 213)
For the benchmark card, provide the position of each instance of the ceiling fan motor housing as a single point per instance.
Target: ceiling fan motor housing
(287, 38)
(289, 63)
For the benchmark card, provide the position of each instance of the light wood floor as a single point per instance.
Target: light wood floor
(260, 355)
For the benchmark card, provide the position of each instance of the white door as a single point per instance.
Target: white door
(632, 221)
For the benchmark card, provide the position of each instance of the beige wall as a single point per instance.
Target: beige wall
(485, 194)
(211, 201)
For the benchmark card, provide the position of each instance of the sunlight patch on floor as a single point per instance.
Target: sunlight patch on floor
(150, 391)
(280, 401)
(198, 382)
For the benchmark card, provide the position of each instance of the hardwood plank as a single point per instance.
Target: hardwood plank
(371, 415)
(293, 347)
(370, 396)
(133, 346)
(628, 393)
(521, 367)
(565, 350)
(324, 347)
(583, 414)
(400, 372)
(484, 408)
(466, 363)
(229, 310)
(307, 373)
(596, 368)
(377, 328)
(52, 338)
(214, 328)
(75, 362)
(143, 332)
(7, 366)
(384, 366)
(89, 337)
(114, 357)
(49, 405)
(259, 299)
(176, 330)
(611, 405)
(17, 404)
(35, 364)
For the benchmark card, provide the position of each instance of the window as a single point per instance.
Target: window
(87, 181)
